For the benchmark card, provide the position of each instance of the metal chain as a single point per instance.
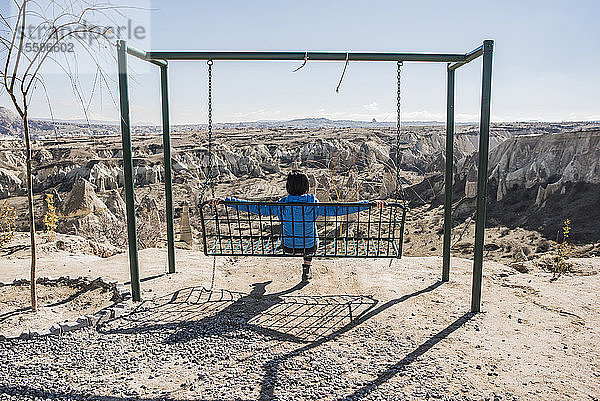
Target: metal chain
(212, 278)
(399, 188)
(208, 182)
(209, 173)
(399, 193)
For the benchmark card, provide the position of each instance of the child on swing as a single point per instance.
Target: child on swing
(299, 226)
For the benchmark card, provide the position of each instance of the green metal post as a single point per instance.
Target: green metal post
(134, 269)
(164, 90)
(482, 173)
(449, 174)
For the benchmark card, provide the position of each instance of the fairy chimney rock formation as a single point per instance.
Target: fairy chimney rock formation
(471, 184)
(116, 204)
(185, 229)
(81, 201)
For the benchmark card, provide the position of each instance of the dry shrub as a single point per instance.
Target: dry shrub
(8, 216)
(50, 219)
(149, 233)
(115, 234)
(562, 250)
(149, 221)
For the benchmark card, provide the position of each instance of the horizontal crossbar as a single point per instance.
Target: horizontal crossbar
(310, 56)
(160, 57)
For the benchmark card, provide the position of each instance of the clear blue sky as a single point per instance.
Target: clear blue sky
(546, 61)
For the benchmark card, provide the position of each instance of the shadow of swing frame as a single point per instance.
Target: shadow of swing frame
(453, 62)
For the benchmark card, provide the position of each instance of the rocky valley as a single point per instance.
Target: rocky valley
(539, 175)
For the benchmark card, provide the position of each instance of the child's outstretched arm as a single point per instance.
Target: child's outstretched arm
(262, 210)
(344, 210)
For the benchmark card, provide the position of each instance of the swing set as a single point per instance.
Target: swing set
(235, 228)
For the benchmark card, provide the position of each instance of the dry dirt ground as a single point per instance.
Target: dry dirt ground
(57, 302)
(359, 329)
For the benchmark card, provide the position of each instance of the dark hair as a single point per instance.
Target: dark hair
(297, 183)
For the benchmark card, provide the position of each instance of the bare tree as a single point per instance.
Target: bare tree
(33, 37)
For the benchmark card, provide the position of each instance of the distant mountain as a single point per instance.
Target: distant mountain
(82, 121)
(11, 126)
(305, 123)
(294, 123)
(311, 123)
(10, 123)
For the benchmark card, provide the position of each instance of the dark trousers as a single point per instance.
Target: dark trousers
(307, 252)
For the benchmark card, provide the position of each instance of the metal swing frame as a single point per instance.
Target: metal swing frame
(453, 61)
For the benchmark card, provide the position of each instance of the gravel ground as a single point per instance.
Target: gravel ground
(186, 347)
(358, 331)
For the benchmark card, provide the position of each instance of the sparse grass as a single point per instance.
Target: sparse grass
(8, 216)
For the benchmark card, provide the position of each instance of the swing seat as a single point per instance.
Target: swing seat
(230, 229)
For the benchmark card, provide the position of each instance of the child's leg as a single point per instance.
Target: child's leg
(306, 275)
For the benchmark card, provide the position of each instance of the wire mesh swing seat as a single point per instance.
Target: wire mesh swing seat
(256, 228)
(234, 228)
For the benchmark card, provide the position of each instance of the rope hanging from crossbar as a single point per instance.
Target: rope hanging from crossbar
(337, 90)
(303, 63)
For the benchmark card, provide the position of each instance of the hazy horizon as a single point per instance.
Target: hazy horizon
(390, 123)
